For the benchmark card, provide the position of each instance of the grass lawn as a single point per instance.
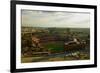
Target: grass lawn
(55, 45)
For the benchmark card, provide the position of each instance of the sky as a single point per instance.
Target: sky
(62, 19)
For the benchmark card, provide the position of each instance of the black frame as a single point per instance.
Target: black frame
(13, 35)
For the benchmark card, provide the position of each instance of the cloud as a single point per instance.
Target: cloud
(55, 19)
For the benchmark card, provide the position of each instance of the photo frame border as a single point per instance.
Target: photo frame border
(13, 35)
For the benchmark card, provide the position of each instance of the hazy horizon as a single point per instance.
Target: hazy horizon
(54, 27)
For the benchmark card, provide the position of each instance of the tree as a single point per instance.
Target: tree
(68, 30)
